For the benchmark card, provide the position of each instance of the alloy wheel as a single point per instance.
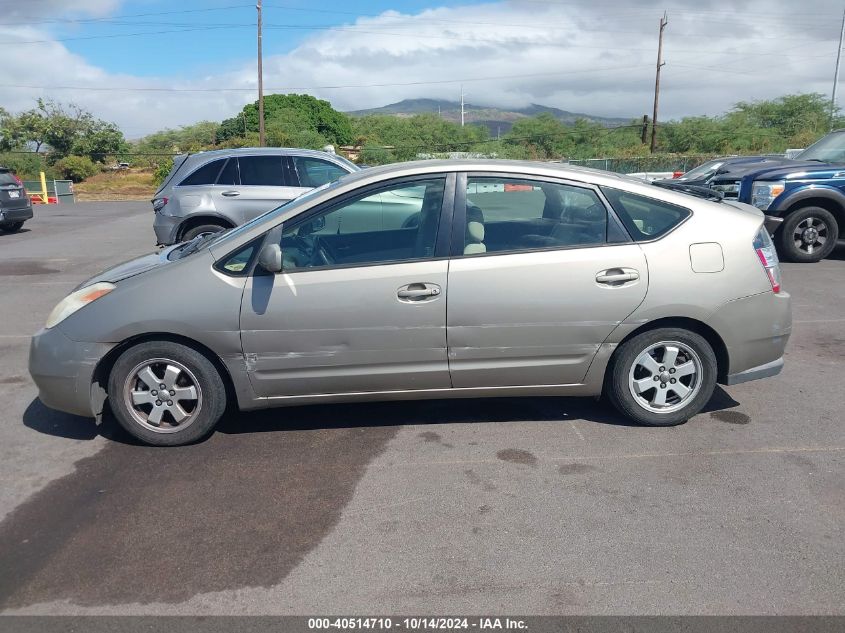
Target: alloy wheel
(162, 395)
(810, 234)
(665, 377)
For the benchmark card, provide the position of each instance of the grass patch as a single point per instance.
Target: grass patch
(129, 184)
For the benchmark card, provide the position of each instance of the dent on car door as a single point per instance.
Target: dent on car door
(540, 276)
(359, 307)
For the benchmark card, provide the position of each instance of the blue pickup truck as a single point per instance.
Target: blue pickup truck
(807, 192)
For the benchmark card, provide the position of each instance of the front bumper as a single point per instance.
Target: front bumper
(166, 227)
(10, 216)
(63, 370)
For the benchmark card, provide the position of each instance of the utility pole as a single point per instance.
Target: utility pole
(660, 63)
(462, 105)
(260, 83)
(836, 72)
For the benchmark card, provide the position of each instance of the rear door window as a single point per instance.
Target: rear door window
(230, 175)
(644, 217)
(261, 170)
(314, 172)
(511, 214)
(205, 175)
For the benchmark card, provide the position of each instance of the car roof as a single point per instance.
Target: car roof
(510, 167)
(258, 151)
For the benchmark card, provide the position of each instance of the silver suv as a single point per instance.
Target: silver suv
(212, 191)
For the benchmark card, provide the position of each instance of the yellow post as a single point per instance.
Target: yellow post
(43, 193)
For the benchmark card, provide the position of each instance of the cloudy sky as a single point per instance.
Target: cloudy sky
(150, 64)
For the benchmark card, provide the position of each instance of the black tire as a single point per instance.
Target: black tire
(208, 408)
(619, 392)
(14, 227)
(199, 230)
(800, 221)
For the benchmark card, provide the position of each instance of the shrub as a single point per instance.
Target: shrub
(76, 168)
(162, 169)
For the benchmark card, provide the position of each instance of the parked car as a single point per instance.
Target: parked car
(15, 205)
(212, 191)
(806, 192)
(558, 281)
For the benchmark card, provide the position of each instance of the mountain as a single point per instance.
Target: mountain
(497, 120)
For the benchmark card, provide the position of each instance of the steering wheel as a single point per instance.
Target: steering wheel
(321, 255)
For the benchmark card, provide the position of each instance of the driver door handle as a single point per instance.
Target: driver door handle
(617, 276)
(413, 293)
(230, 194)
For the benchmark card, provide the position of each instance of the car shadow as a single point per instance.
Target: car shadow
(40, 418)
(18, 232)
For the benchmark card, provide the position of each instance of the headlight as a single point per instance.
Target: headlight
(764, 193)
(76, 300)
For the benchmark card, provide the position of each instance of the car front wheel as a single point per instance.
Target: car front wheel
(662, 377)
(808, 235)
(166, 394)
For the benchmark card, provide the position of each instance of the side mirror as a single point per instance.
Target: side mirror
(270, 258)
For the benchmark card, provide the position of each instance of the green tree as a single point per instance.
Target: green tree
(303, 112)
(64, 129)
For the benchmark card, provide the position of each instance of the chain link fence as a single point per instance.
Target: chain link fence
(637, 164)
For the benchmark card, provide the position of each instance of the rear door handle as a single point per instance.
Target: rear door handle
(418, 292)
(617, 276)
(230, 194)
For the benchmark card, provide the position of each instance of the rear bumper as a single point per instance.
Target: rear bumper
(10, 216)
(756, 373)
(166, 227)
(755, 331)
(63, 370)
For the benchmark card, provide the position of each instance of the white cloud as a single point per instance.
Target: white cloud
(596, 57)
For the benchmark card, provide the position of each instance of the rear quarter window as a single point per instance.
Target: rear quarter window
(205, 175)
(644, 217)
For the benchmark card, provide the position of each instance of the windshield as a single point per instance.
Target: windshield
(305, 197)
(829, 149)
(702, 172)
(352, 166)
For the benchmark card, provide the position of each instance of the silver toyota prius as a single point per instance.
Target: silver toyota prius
(433, 279)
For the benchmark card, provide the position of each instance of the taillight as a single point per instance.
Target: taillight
(159, 204)
(768, 257)
(17, 180)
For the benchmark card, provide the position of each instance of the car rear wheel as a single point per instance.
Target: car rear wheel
(200, 230)
(808, 235)
(166, 394)
(662, 377)
(14, 227)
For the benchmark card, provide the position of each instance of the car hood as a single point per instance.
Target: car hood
(130, 268)
(773, 168)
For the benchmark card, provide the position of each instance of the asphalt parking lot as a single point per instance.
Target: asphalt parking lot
(532, 506)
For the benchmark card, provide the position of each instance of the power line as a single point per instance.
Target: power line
(328, 87)
(120, 17)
